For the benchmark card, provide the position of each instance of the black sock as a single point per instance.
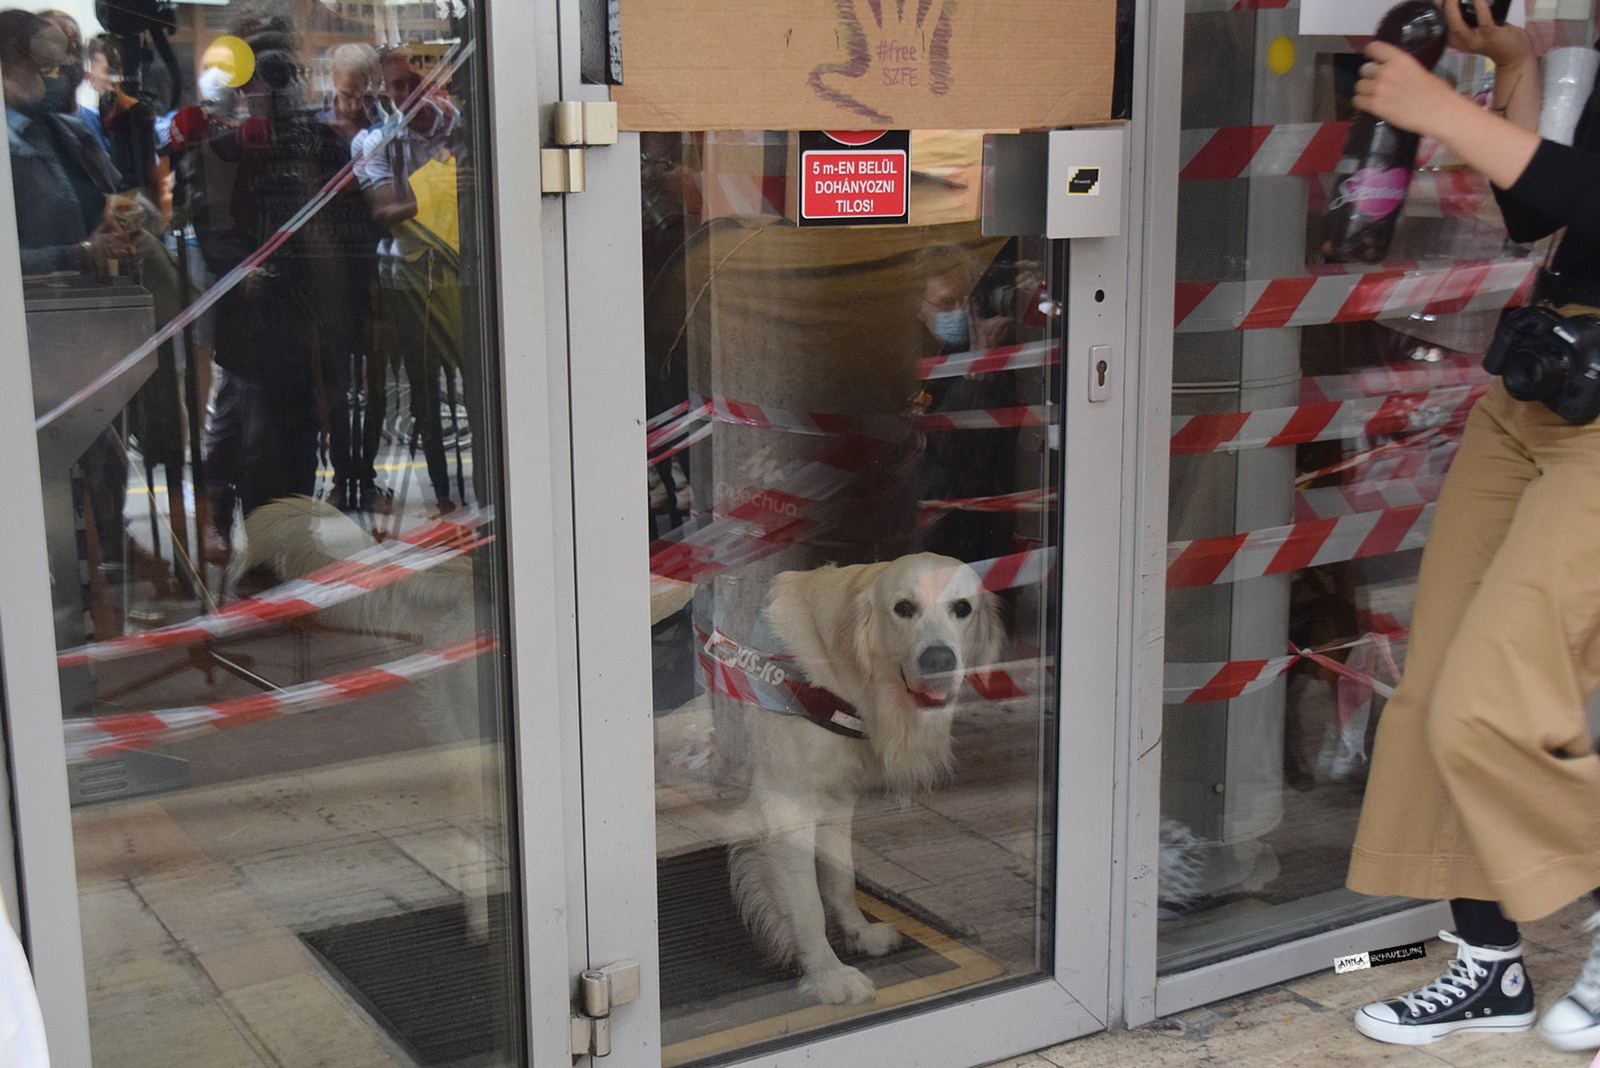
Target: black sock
(1481, 923)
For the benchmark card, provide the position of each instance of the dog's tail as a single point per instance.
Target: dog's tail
(750, 877)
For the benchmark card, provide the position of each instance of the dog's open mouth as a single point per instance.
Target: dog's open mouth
(927, 693)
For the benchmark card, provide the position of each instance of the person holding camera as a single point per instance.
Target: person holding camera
(1484, 788)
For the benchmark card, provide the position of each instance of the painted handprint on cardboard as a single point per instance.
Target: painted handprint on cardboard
(894, 49)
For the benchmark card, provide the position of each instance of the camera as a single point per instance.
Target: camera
(1550, 358)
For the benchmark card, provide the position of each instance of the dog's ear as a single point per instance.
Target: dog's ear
(988, 632)
(865, 639)
(783, 599)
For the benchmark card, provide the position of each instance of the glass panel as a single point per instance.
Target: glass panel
(257, 314)
(852, 473)
(1279, 660)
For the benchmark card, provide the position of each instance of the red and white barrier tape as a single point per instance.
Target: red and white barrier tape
(1415, 455)
(664, 427)
(724, 410)
(1217, 7)
(767, 519)
(1262, 151)
(683, 443)
(1399, 413)
(1278, 550)
(99, 736)
(1199, 683)
(725, 674)
(1413, 376)
(412, 106)
(989, 418)
(1367, 495)
(1302, 149)
(766, 417)
(1028, 568)
(1314, 300)
(982, 361)
(678, 424)
(1032, 500)
(412, 553)
(671, 413)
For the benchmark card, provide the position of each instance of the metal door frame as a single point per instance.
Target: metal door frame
(1143, 996)
(605, 332)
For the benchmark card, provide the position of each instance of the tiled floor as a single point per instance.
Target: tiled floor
(1307, 1022)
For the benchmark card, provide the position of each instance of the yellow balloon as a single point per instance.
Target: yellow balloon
(1281, 55)
(233, 57)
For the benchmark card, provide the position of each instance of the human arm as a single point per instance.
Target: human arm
(388, 194)
(1396, 88)
(1540, 186)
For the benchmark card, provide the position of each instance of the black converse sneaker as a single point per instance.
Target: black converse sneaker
(1573, 1023)
(1484, 989)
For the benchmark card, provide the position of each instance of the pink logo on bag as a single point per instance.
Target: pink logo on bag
(1375, 193)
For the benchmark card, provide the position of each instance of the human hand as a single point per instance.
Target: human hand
(109, 242)
(988, 333)
(1396, 88)
(1507, 46)
(893, 57)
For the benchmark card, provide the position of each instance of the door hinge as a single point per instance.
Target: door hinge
(576, 125)
(599, 991)
(561, 170)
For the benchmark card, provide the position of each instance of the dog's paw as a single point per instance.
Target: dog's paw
(874, 940)
(842, 985)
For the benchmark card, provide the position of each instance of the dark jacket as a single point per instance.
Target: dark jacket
(60, 187)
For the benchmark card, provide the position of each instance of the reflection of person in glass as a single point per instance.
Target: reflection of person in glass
(59, 173)
(958, 309)
(1484, 787)
(256, 169)
(127, 123)
(353, 72)
(407, 169)
(61, 178)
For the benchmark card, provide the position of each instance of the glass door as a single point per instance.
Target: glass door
(275, 806)
(1293, 553)
(847, 757)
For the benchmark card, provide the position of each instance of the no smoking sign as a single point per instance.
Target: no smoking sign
(854, 178)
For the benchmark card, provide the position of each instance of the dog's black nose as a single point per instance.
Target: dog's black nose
(936, 660)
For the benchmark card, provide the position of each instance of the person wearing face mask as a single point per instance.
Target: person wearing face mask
(252, 171)
(60, 175)
(966, 463)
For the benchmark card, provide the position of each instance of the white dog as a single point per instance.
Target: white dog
(894, 640)
(295, 536)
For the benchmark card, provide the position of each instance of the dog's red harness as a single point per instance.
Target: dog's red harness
(771, 681)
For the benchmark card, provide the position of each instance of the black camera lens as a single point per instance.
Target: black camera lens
(1535, 374)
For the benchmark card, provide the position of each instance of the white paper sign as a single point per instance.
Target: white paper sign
(1358, 18)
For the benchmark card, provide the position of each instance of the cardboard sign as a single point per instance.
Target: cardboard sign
(847, 179)
(865, 64)
(1358, 18)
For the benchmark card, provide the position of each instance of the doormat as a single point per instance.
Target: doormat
(429, 983)
(719, 994)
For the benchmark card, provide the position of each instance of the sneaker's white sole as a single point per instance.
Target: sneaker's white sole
(1573, 1041)
(1424, 1034)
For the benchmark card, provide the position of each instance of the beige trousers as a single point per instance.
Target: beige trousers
(1483, 783)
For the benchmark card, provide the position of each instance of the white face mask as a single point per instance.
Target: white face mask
(213, 82)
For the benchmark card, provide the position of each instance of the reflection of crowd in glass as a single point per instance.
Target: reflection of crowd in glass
(306, 337)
